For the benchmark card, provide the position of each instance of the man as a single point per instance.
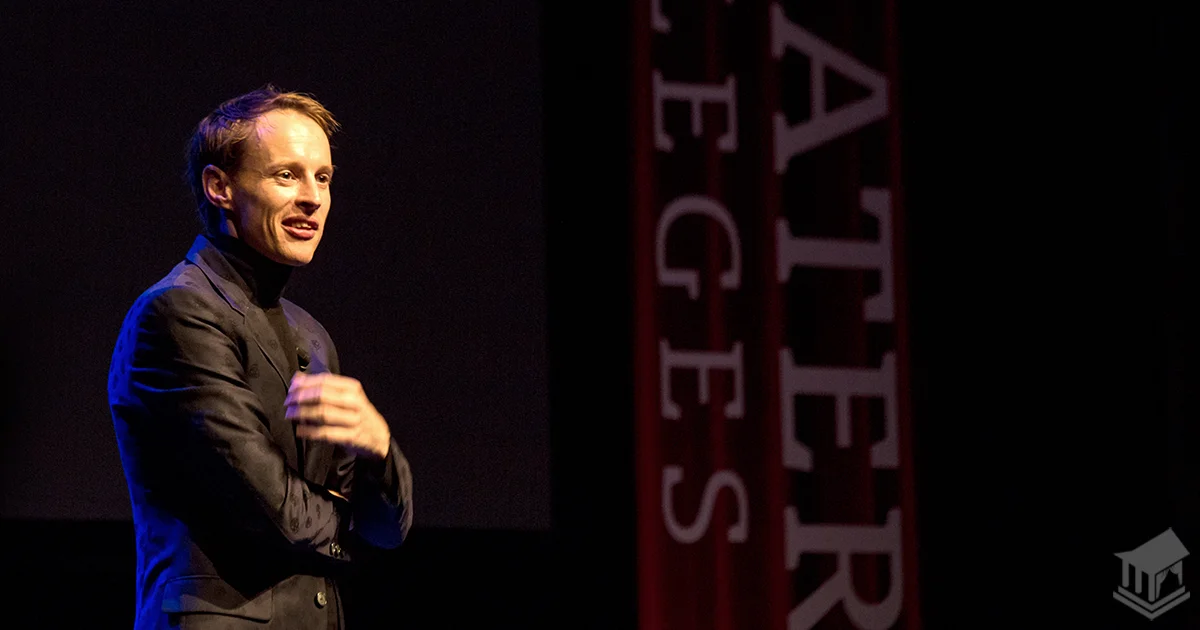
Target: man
(256, 471)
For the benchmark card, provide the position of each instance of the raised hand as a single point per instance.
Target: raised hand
(334, 408)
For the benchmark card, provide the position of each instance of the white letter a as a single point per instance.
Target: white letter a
(824, 125)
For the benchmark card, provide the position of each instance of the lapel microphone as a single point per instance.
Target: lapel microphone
(303, 358)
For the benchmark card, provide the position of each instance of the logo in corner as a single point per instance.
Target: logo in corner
(1157, 576)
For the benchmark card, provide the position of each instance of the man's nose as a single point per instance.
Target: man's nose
(310, 194)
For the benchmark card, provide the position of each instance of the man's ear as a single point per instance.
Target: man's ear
(217, 187)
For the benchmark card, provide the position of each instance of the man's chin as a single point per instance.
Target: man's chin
(298, 261)
(295, 257)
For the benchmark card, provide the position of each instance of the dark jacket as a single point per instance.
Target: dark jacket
(232, 529)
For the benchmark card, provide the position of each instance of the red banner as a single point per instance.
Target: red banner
(774, 468)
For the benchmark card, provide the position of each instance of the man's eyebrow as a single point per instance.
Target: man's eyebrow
(294, 165)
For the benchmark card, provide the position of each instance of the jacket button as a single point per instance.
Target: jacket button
(321, 599)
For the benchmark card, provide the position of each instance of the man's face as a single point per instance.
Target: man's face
(280, 193)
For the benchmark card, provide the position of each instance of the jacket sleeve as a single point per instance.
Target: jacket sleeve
(185, 377)
(380, 491)
(380, 494)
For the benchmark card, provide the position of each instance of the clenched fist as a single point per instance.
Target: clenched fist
(333, 408)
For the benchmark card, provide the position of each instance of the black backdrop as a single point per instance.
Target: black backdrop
(1051, 345)
(1053, 340)
(430, 276)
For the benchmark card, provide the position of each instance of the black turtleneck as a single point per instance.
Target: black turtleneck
(265, 280)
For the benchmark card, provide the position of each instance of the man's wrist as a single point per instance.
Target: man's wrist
(375, 465)
(383, 450)
(383, 444)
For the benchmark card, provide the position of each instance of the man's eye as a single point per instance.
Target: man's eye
(285, 174)
(324, 179)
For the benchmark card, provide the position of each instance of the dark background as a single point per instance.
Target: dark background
(430, 277)
(1052, 287)
(1045, 155)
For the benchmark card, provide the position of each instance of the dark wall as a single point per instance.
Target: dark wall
(1052, 345)
(430, 276)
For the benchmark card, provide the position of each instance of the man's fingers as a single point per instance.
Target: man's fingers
(322, 415)
(351, 439)
(324, 380)
(315, 387)
(315, 397)
(326, 433)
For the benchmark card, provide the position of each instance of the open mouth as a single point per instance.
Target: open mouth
(300, 228)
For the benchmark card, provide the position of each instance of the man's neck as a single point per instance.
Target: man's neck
(263, 278)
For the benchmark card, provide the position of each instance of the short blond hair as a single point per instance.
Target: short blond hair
(220, 137)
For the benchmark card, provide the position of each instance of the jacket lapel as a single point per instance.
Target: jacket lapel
(205, 256)
(317, 455)
(256, 319)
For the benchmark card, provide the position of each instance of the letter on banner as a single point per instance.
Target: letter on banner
(703, 362)
(738, 532)
(695, 94)
(689, 279)
(824, 125)
(843, 384)
(847, 254)
(845, 541)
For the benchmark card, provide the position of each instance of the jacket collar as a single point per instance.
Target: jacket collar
(205, 254)
(260, 279)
